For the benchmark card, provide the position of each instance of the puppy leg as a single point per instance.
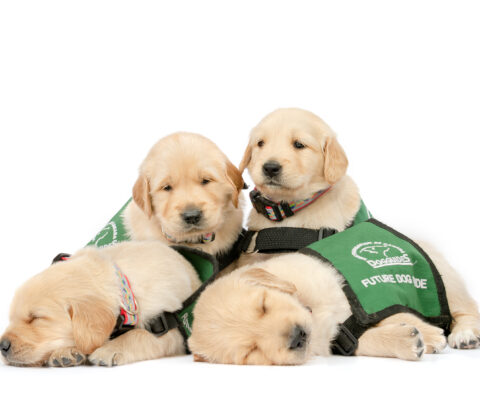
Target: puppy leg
(137, 345)
(67, 357)
(465, 328)
(402, 341)
(433, 337)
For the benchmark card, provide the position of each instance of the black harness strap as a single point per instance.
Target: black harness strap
(286, 239)
(225, 259)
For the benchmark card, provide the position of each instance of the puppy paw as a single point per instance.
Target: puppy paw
(67, 357)
(434, 338)
(105, 357)
(410, 344)
(464, 338)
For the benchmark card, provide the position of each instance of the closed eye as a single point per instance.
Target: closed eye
(31, 318)
(263, 308)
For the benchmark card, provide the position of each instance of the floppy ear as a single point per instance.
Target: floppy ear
(336, 162)
(92, 324)
(141, 195)
(234, 177)
(260, 277)
(247, 156)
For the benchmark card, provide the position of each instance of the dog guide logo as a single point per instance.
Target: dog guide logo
(379, 254)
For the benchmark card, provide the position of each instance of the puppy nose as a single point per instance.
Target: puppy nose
(272, 168)
(5, 346)
(298, 338)
(192, 216)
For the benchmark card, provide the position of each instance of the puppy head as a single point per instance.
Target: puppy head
(250, 317)
(54, 310)
(187, 184)
(292, 153)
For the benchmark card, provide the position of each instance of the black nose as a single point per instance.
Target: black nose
(298, 338)
(272, 168)
(5, 346)
(192, 217)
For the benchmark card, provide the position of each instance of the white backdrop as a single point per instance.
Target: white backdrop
(86, 88)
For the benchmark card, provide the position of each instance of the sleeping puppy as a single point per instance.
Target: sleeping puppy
(67, 312)
(187, 193)
(288, 308)
(293, 156)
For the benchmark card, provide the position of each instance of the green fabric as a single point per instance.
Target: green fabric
(382, 269)
(113, 232)
(362, 214)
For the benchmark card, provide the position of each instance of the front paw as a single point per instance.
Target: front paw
(105, 357)
(464, 338)
(67, 357)
(410, 343)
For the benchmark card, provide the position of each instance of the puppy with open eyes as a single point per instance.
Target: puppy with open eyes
(187, 193)
(282, 309)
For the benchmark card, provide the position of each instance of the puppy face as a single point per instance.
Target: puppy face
(292, 153)
(186, 183)
(250, 317)
(54, 310)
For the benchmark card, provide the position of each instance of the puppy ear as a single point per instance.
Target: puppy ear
(260, 277)
(247, 156)
(92, 324)
(234, 177)
(336, 162)
(141, 195)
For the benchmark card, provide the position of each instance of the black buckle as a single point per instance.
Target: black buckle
(120, 329)
(158, 325)
(61, 257)
(345, 343)
(260, 203)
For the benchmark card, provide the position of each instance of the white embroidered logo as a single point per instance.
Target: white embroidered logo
(379, 254)
(109, 233)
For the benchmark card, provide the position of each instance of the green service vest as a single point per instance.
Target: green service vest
(385, 273)
(206, 265)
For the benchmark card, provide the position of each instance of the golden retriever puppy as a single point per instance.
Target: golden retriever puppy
(67, 312)
(187, 193)
(288, 308)
(295, 159)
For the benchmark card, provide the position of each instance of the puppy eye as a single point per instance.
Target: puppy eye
(32, 318)
(263, 308)
(205, 181)
(298, 145)
(167, 188)
(260, 143)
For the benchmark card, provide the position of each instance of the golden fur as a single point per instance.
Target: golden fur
(234, 330)
(68, 311)
(184, 171)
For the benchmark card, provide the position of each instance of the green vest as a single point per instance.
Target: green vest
(385, 273)
(206, 266)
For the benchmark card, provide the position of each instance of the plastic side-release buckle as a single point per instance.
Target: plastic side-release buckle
(61, 257)
(260, 204)
(158, 325)
(345, 343)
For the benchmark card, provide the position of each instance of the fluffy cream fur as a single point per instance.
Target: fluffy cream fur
(68, 311)
(181, 171)
(319, 164)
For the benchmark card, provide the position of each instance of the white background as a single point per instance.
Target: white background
(87, 87)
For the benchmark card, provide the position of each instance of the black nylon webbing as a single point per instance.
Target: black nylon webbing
(276, 240)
